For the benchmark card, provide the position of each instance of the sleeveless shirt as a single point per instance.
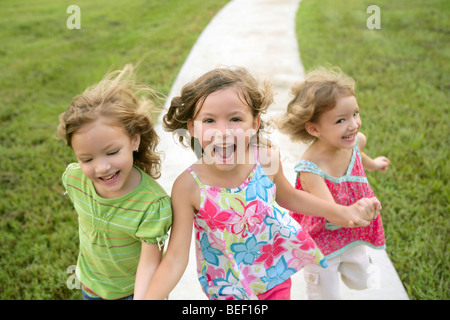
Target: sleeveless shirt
(346, 190)
(245, 243)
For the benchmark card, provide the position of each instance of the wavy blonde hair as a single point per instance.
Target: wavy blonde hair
(318, 93)
(119, 98)
(257, 95)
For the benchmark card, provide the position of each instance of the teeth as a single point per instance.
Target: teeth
(109, 177)
(349, 136)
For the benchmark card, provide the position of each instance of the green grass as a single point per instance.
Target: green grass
(43, 65)
(402, 75)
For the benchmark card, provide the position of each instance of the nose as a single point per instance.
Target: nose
(102, 166)
(220, 132)
(355, 123)
(224, 134)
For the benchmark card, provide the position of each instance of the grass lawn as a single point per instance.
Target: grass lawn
(44, 64)
(402, 75)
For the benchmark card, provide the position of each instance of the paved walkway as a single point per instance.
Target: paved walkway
(259, 35)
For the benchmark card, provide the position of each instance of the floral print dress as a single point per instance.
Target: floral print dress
(245, 243)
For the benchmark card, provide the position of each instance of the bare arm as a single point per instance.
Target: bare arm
(358, 215)
(148, 262)
(176, 257)
(378, 163)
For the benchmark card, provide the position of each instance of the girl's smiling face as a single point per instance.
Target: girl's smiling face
(105, 154)
(339, 125)
(223, 124)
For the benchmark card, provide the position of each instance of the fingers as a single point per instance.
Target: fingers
(383, 163)
(368, 209)
(377, 205)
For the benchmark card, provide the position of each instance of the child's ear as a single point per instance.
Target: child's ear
(312, 129)
(136, 141)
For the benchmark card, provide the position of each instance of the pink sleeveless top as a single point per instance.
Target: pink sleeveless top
(346, 190)
(245, 244)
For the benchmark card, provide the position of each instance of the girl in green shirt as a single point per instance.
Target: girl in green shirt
(124, 214)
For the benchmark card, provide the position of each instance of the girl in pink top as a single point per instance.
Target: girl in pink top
(247, 247)
(325, 112)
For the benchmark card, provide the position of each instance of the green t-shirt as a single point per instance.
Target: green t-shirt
(111, 231)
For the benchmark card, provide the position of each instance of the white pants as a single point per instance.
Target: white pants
(323, 283)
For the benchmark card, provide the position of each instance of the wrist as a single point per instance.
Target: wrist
(339, 216)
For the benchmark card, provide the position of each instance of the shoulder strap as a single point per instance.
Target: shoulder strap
(308, 166)
(194, 175)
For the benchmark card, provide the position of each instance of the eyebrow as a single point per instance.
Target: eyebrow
(212, 115)
(344, 114)
(109, 146)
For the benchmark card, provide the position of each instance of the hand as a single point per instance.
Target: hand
(380, 163)
(363, 212)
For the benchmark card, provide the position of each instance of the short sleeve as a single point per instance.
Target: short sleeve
(308, 166)
(156, 223)
(70, 174)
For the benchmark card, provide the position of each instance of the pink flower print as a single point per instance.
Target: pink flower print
(271, 251)
(213, 273)
(307, 243)
(217, 243)
(247, 272)
(248, 220)
(300, 259)
(215, 217)
(213, 193)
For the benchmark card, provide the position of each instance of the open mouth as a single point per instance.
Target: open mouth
(349, 137)
(110, 178)
(224, 153)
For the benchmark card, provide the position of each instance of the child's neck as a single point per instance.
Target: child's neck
(334, 161)
(329, 150)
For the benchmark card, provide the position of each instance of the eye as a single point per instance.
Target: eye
(86, 160)
(235, 119)
(209, 120)
(340, 121)
(112, 152)
(356, 113)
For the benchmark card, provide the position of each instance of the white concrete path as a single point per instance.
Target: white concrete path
(259, 35)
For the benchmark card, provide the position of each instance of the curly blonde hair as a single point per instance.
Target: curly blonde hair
(126, 103)
(318, 93)
(257, 95)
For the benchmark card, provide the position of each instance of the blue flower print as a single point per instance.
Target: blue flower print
(278, 274)
(203, 279)
(258, 186)
(246, 252)
(281, 223)
(210, 254)
(231, 286)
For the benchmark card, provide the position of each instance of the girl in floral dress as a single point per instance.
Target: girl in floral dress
(325, 111)
(247, 247)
